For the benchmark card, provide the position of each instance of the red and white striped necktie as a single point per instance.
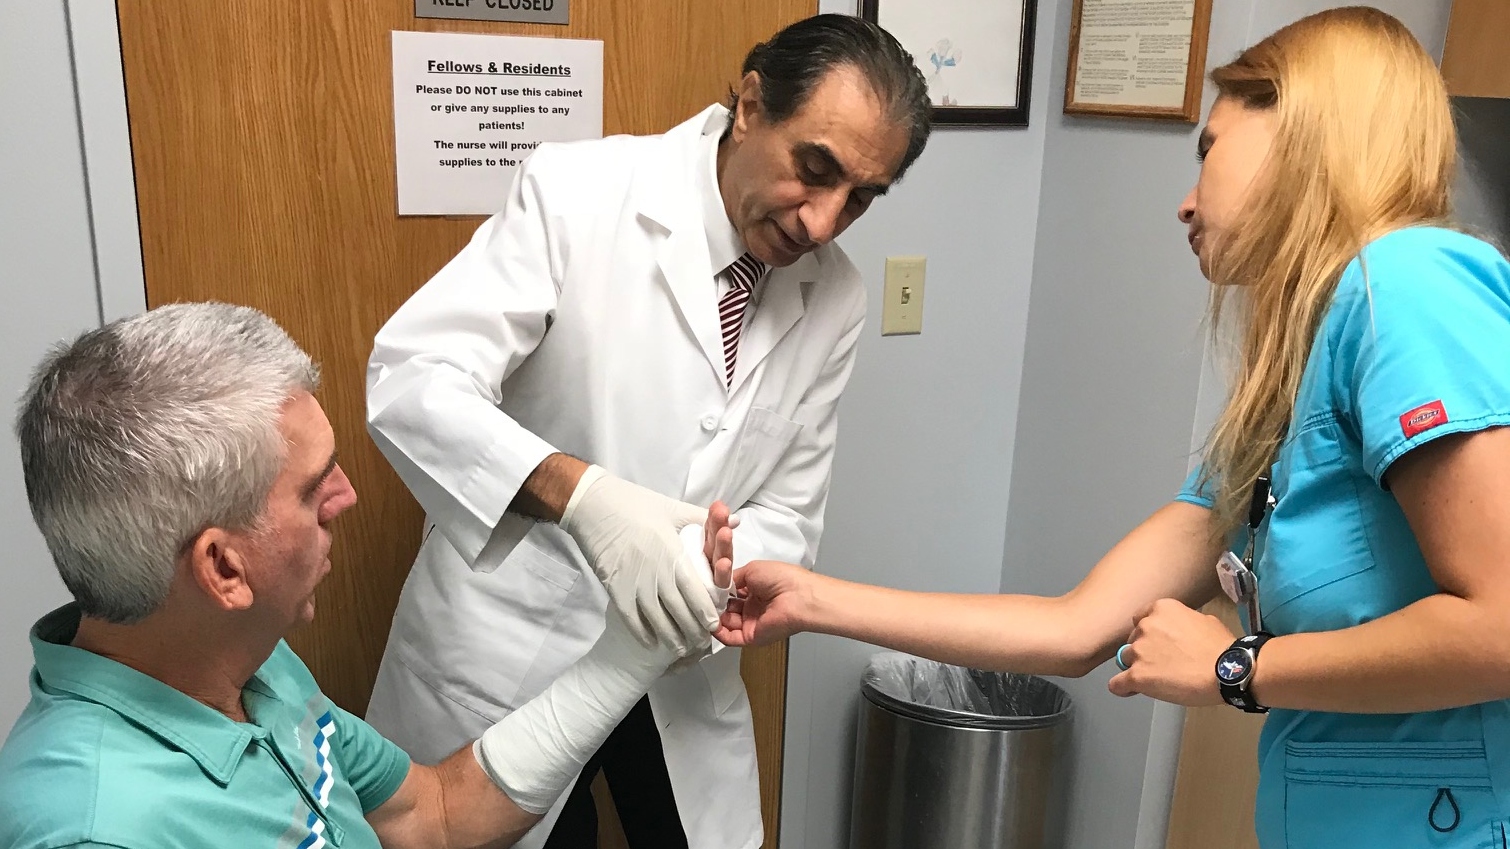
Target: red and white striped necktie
(742, 276)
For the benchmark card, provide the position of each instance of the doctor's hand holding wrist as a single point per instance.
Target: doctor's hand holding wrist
(630, 538)
(534, 754)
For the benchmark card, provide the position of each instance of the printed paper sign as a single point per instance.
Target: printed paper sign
(467, 109)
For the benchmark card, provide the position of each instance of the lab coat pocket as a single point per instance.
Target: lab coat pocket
(1367, 795)
(765, 437)
(526, 597)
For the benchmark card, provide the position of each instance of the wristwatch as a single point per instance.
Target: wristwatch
(1234, 671)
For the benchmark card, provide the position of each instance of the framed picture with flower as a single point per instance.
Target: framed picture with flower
(976, 54)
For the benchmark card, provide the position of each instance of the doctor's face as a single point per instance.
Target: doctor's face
(1232, 149)
(793, 186)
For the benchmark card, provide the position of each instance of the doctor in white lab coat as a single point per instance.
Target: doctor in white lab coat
(562, 392)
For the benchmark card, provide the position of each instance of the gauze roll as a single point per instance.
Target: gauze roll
(692, 542)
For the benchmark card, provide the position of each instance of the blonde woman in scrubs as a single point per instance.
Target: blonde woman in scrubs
(1373, 392)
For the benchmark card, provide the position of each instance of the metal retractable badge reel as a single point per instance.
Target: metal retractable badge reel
(1235, 666)
(1238, 579)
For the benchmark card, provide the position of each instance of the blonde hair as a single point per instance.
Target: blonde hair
(1364, 145)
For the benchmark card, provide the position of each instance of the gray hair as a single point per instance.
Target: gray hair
(797, 59)
(138, 436)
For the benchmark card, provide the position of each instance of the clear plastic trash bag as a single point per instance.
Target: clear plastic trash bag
(957, 696)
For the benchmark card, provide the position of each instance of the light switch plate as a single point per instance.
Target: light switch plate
(902, 310)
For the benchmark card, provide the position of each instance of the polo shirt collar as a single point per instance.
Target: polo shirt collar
(215, 741)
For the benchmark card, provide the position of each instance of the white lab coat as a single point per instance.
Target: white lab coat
(583, 319)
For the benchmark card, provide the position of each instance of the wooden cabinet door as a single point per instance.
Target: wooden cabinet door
(1217, 777)
(1476, 60)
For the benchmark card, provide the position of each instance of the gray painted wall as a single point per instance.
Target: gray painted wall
(1483, 189)
(920, 482)
(47, 283)
(1112, 382)
(1109, 386)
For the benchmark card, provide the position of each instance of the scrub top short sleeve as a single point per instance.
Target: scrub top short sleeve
(1196, 491)
(1429, 315)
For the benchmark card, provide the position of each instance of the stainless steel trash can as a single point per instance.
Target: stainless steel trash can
(954, 758)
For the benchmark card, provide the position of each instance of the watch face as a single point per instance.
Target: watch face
(1233, 666)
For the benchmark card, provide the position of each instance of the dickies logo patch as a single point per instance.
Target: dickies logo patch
(1423, 418)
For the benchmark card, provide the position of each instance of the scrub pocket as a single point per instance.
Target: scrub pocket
(1371, 795)
(1316, 535)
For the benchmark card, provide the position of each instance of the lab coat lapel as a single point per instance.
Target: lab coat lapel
(683, 258)
(666, 198)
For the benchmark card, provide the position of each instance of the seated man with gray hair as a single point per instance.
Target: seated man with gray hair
(185, 479)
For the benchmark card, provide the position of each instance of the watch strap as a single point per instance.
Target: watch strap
(1238, 694)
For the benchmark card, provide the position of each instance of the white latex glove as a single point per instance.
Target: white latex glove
(535, 752)
(629, 535)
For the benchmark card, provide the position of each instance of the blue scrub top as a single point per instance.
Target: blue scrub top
(1415, 346)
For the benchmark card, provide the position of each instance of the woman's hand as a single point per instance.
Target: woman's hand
(1171, 655)
(770, 603)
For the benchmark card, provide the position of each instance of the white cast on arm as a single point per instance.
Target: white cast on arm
(535, 752)
(629, 536)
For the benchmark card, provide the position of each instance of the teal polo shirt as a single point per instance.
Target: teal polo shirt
(106, 756)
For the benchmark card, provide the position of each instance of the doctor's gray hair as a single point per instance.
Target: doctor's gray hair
(140, 435)
(794, 61)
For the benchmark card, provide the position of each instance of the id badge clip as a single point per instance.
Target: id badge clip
(1240, 585)
(1236, 573)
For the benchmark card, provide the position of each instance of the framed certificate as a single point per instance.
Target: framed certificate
(976, 54)
(1138, 58)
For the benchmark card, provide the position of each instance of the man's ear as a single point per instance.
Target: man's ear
(217, 561)
(747, 109)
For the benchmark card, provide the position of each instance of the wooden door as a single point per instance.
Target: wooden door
(1217, 777)
(262, 135)
(1474, 61)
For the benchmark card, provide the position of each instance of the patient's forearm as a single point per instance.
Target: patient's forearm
(491, 793)
(536, 752)
(453, 805)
